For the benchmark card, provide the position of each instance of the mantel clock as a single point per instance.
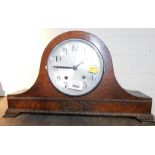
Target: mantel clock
(76, 77)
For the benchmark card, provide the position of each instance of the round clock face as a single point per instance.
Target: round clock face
(75, 67)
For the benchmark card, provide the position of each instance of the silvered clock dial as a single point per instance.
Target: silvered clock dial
(75, 67)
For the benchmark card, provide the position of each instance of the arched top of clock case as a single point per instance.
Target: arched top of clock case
(108, 87)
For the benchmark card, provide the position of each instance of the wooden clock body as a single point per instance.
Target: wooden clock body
(108, 99)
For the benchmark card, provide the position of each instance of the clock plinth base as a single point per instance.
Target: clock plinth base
(141, 110)
(143, 118)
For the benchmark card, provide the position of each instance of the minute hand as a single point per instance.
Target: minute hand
(63, 67)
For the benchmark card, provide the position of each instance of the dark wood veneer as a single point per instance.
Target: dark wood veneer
(108, 99)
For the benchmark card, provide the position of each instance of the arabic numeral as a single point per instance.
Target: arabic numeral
(58, 78)
(74, 47)
(65, 50)
(57, 58)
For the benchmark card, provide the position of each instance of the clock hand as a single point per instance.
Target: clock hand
(79, 64)
(63, 67)
(66, 67)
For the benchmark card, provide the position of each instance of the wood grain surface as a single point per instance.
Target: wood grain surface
(63, 120)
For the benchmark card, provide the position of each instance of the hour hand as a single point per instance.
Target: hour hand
(82, 62)
(63, 67)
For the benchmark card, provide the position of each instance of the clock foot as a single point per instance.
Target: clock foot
(149, 119)
(11, 113)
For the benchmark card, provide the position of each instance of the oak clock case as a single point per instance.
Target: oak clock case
(76, 77)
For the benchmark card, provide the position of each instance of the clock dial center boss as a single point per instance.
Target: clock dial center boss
(75, 67)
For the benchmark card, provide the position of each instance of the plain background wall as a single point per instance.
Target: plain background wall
(132, 51)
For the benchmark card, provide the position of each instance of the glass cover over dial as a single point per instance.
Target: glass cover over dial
(75, 67)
